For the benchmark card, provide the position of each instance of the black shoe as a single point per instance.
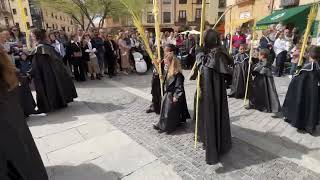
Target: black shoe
(92, 77)
(247, 107)
(98, 77)
(156, 127)
(110, 76)
(278, 115)
(150, 111)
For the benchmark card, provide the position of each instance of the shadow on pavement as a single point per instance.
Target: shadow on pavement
(73, 112)
(242, 155)
(103, 107)
(81, 172)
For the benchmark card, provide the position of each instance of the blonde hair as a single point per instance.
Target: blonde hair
(8, 77)
(175, 66)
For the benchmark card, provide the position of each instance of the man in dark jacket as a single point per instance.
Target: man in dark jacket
(111, 55)
(98, 42)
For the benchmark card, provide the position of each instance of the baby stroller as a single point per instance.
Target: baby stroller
(140, 63)
(183, 57)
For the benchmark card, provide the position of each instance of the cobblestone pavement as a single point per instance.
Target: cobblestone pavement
(126, 111)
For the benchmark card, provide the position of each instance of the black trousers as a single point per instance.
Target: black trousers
(280, 60)
(79, 69)
(111, 61)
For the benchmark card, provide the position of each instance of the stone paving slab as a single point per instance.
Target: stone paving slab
(90, 149)
(77, 143)
(247, 121)
(155, 171)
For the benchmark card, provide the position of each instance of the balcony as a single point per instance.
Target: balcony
(238, 2)
(181, 22)
(286, 3)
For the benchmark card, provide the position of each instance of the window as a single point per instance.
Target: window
(150, 1)
(183, 1)
(17, 25)
(166, 1)
(219, 15)
(198, 14)
(68, 29)
(56, 17)
(47, 25)
(52, 15)
(199, 2)
(14, 11)
(182, 16)
(150, 17)
(28, 25)
(26, 11)
(71, 22)
(6, 19)
(53, 26)
(61, 18)
(2, 5)
(166, 17)
(222, 4)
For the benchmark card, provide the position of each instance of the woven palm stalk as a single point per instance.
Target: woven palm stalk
(157, 31)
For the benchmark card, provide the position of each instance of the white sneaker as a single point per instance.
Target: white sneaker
(290, 76)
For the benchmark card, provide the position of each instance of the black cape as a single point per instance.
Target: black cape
(301, 107)
(240, 74)
(19, 156)
(173, 113)
(26, 99)
(263, 94)
(214, 123)
(155, 92)
(53, 84)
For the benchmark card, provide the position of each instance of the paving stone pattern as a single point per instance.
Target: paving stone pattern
(243, 162)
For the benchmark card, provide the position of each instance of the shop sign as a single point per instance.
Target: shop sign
(278, 16)
(245, 15)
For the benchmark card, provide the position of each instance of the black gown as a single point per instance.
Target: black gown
(301, 107)
(19, 156)
(155, 92)
(240, 74)
(173, 113)
(53, 84)
(26, 99)
(263, 94)
(214, 122)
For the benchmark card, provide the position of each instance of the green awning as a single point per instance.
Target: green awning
(296, 15)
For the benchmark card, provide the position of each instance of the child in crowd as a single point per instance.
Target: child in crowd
(240, 73)
(263, 93)
(26, 99)
(90, 56)
(302, 103)
(174, 109)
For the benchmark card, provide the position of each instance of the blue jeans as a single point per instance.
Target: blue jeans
(100, 57)
(293, 68)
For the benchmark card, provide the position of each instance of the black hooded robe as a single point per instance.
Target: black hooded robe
(214, 123)
(240, 74)
(53, 84)
(301, 107)
(173, 113)
(19, 156)
(155, 92)
(26, 99)
(263, 94)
